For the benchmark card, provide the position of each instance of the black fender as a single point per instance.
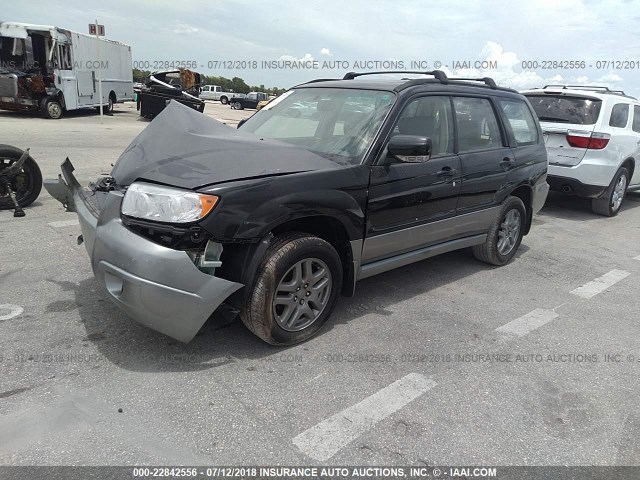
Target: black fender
(332, 203)
(250, 209)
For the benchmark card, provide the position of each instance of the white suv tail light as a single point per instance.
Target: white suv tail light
(590, 140)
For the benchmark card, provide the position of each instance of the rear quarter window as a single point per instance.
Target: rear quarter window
(566, 109)
(619, 115)
(521, 121)
(636, 119)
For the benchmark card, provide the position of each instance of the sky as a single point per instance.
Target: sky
(216, 34)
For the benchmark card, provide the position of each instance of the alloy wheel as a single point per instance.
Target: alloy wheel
(509, 232)
(618, 192)
(302, 294)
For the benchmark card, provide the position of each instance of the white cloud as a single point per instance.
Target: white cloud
(307, 58)
(493, 51)
(326, 51)
(184, 28)
(509, 71)
(610, 77)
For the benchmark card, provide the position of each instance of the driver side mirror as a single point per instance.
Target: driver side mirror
(410, 148)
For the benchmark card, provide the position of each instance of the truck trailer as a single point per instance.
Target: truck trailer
(53, 70)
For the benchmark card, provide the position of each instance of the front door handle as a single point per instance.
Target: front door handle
(447, 172)
(507, 163)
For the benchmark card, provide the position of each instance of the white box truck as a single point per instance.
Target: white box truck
(54, 70)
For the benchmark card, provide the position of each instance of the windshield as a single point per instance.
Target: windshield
(16, 54)
(338, 124)
(565, 109)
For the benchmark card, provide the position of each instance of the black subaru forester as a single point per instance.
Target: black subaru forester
(332, 182)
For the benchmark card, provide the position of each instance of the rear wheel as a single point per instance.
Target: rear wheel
(224, 100)
(295, 291)
(505, 235)
(26, 185)
(609, 203)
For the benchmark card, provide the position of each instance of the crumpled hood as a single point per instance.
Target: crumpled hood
(187, 149)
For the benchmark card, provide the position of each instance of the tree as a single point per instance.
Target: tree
(140, 75)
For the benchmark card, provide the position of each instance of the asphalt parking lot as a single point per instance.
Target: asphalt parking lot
(446, 361)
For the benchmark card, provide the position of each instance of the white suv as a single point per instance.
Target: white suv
(592, 135)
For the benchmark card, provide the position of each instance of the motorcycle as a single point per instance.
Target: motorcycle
(20, 179)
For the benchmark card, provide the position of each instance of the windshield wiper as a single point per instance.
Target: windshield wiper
(339, 159)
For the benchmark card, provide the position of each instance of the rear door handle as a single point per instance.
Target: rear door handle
(507, 163)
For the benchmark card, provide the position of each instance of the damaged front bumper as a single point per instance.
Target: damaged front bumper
(156, 286)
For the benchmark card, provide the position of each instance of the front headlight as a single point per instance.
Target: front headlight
(166, 204)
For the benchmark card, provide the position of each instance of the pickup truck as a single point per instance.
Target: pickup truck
(250, 100)
(215, 92)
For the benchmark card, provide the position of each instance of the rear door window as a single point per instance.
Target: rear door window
(522, 123)
(619, 115)
(566, 109)
(477, 125)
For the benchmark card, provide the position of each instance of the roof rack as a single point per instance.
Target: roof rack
(487, 81)
(321, 80)
(594, 88)
(438, 74)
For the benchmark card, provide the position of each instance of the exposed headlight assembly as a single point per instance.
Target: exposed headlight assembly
(165, 204)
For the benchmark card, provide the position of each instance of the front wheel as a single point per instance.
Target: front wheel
(611, 200)
(238, 106)
(53, 108)
(505, 235)
(296, 289)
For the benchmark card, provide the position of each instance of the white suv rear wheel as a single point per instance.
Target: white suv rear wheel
(609, 203)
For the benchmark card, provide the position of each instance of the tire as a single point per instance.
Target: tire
(238, 106)
(224, 100)
(27, 185)
(108, 108)
(609, 203)
(284, 322)
(509, 224)
(53, 108)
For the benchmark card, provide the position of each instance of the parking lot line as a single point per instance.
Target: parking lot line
(600, 284)
(527, 323)
(64, 223)
(8, 311)
(325, 439)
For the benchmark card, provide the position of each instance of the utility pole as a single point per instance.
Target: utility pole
(99, 68)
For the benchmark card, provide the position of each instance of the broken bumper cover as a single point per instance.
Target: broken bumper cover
(157, 286)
